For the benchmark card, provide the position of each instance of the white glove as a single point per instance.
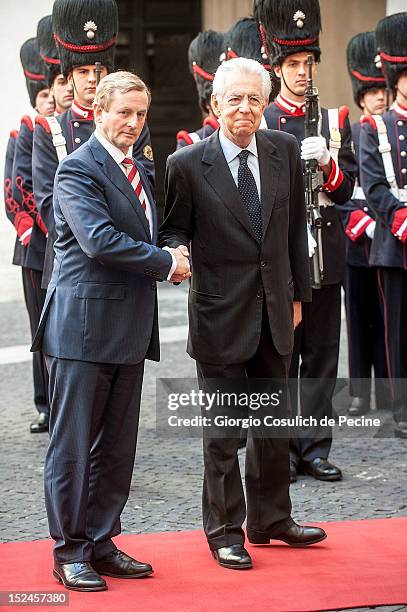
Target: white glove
(312, 243)
(314, 147)
(369, 231)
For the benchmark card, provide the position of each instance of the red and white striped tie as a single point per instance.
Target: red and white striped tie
(135, 180)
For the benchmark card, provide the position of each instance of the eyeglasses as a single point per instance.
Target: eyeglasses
(238, 99)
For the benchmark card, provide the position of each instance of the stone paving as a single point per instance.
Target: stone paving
(166, 488)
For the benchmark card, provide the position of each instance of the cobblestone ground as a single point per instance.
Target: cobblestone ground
(166, 488)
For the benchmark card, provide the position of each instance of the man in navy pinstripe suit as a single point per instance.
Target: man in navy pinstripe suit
(98, 325)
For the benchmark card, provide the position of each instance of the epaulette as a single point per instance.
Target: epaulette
(369, 119)
(343, 114)
(184, 135)
(26, 119)
(212, 121)
(39, 120)
(14, 134)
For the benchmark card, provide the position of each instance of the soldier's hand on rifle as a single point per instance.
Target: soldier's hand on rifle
(314, 147)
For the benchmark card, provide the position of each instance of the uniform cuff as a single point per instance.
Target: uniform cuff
(399, 225)
(335, 178)
(357, 224)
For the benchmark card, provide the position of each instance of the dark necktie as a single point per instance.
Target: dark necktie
(249, 194)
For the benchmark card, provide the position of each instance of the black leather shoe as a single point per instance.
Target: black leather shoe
(321, 469)
(119, 565)
(293, 472)
(233, 557)
(41, 423)
(359, 406)
(401, 430)
(79, 577)
(292, 534)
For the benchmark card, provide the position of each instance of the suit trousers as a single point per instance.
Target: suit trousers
(393, 293)
(34, 299)
(365, 328)
(89, 464)
(267, 459)
(316, 342)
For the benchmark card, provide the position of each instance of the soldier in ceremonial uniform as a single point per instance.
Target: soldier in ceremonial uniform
(364, 319)
(383, 172)
(23, 213)
(203, 57)
(61, 89)
(291, 30)
(85, 33)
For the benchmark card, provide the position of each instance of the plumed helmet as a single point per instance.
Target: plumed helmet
(204, 58)
(391, 39)
(47, 48)
(364, 72)
(288, 27)
(85, 32)
(34, 69)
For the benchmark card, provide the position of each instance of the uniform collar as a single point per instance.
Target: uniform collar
(231, 150)
(116, 153)
(82, 111)
(289, 106)
(400, 110)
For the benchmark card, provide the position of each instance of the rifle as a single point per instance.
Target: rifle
(313, 179)
(98, 66)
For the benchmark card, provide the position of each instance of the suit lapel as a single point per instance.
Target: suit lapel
(119, 180)
(270, 166)
(218, 175)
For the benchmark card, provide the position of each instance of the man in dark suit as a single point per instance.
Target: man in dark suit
(237, 198)
(98, 325)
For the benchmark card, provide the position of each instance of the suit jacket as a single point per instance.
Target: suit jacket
(76, 130)
(101, 303)
(232, 271)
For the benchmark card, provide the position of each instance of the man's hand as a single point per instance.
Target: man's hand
(182, 271)
(297, 314)
(314, 147)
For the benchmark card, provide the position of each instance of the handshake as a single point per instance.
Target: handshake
(183, 270)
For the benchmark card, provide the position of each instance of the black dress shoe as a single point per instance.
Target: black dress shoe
(292, 534)
(233, 557)
(400, 430)
(293, 472)
(119, 565)
(41, 423)
(79, 577)
(321, 469)
(359, 406)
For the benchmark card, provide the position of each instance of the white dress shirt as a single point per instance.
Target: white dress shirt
(118, 157)
(231, 152)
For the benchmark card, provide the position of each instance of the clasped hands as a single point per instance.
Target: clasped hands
(183, 270)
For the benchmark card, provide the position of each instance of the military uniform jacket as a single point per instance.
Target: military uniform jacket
(357, 216)
(185, 138)
(23, 194)
(386, 250)
(282, 115)
(76, 129)
(12, 207)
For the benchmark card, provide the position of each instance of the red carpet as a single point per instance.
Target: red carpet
(362, 563)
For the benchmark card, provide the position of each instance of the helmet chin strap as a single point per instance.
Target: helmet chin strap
(285, 83)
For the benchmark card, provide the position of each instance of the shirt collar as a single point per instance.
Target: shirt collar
(294, 108)
(116, 153)
(231, 150)
(82, 111)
